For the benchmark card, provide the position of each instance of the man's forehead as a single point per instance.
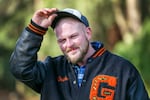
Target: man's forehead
(67, 28)
(67, 21)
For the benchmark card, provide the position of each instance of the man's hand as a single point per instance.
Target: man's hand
(44, 17)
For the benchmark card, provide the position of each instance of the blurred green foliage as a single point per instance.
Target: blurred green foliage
(138, 52)
(12, 21)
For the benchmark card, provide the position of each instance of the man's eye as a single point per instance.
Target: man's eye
(61, 41)
(74, 36)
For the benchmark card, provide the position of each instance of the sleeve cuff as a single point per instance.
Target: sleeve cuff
(33, 27)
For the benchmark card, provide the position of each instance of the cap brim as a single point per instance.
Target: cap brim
(60, 15)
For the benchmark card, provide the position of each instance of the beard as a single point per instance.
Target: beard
(76, 54)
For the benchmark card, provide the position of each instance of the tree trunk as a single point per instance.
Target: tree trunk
(133, 16)
(129, 26)
(119, 17)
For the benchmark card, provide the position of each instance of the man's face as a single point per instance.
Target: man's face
(72, 39)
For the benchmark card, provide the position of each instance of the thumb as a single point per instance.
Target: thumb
(51, 18)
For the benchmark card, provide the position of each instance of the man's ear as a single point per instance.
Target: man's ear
(89, 33)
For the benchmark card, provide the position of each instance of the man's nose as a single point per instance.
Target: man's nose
(69, 43)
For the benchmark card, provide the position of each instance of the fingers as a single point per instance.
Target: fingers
(44, 17)
(50, 14)
(52, 17)
(47, 12)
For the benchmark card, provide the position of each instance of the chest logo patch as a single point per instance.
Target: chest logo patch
(103, 87)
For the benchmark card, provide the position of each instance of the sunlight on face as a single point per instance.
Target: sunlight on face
(72, 39)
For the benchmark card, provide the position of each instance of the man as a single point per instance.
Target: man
(86, 71)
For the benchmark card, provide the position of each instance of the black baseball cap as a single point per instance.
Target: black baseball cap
(69, 12)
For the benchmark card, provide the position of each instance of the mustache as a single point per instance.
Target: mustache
(70, 49)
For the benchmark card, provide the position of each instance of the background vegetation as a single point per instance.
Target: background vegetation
(122, 25)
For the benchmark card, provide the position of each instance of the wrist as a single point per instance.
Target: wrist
(33, 27)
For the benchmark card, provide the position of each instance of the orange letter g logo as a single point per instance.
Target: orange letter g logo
(103, 87)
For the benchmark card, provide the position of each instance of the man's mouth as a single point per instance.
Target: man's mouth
(71, 50)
